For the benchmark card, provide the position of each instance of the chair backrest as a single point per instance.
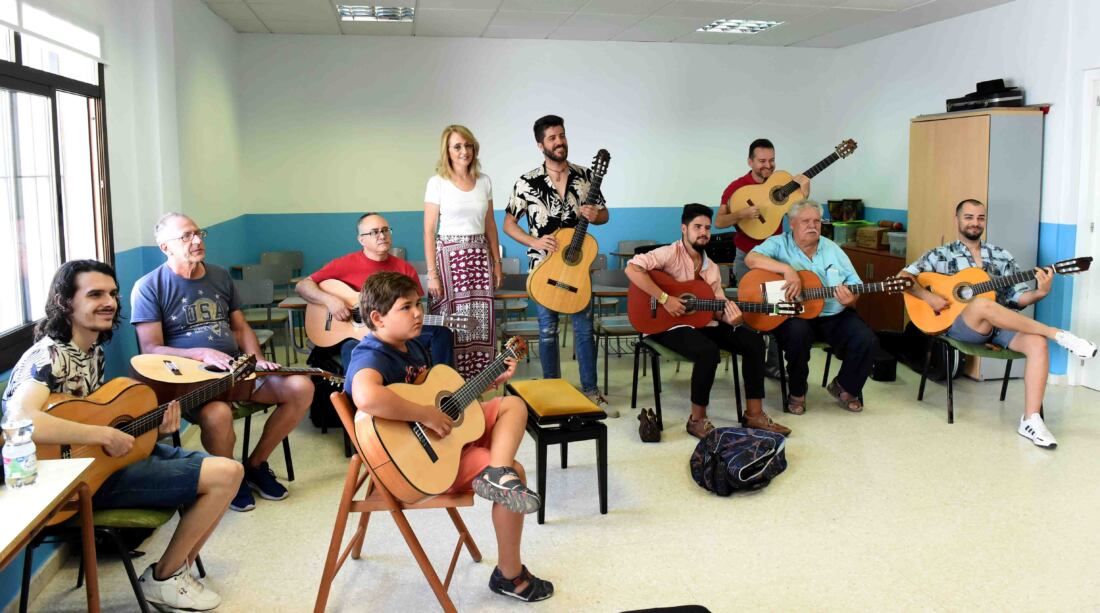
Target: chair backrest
(294, 260)
(509, 266)
(255, 292)
(346, 413)
(630, 246)
(278, 273)
(600, 263)
(398, 252)
(421, 266)
(612, 278)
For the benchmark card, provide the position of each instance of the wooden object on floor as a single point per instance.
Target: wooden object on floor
(880, 311)
(558, 413)
(377, 498)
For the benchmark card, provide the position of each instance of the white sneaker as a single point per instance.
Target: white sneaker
(1033, 428)
(181, 591)
(601, 403)
(1075, 344)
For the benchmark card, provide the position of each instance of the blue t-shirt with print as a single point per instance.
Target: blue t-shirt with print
(192, 312)
(394, 365)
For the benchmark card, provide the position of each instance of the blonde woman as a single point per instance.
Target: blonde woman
(461, 246)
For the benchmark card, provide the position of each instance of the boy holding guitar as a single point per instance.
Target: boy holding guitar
(392, 354)
(551, 197)
(998, 322)
(685, 260)
(189, 308)
(67, 357)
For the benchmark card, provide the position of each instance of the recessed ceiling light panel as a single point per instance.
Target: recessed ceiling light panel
(388, 14)
(739, 26)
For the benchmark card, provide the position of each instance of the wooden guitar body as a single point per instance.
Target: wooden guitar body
(561, 285)
(751, 289)
(652, 321)
(766, 197)
(415, 469)
(325, 331)
(953, 287)
(172, 376)
(117, 402)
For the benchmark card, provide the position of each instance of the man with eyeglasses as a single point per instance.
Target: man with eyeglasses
(188, 308)
(376, 237)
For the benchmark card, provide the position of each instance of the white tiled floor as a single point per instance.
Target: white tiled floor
(892, 509)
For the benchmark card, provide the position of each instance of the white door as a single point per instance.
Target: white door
(1087, 314)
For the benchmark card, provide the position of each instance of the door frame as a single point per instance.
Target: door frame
(1087, 240)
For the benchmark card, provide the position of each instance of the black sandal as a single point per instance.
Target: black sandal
(537, 589)
(494, 484)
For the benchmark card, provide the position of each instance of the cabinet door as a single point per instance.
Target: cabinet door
(948, 163)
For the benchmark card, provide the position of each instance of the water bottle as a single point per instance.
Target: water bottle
(20, 459)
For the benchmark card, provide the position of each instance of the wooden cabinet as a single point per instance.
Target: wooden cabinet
(993, 155)
(880, 311)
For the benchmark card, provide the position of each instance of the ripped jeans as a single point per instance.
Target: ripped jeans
(583, 341)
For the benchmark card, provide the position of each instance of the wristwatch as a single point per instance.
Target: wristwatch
(663, 298)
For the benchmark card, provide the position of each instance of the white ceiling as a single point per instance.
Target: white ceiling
(808, 23)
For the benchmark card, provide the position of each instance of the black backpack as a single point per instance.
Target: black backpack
(732, 459)
(321, 411)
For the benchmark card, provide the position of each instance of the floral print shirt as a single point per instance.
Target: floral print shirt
(535, 197)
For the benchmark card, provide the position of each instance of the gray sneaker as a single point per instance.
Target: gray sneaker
(601, 403)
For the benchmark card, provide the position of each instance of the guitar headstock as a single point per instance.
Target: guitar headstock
(1069, 267)
(845, 148)
(600, 162)
(894, 285)
(787, 308)
(460, 323)
(242, 367)
(516, 348)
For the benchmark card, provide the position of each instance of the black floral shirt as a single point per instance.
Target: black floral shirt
(535, 197)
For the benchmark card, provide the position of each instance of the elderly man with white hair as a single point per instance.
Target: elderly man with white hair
(188, 308)
(803, 248)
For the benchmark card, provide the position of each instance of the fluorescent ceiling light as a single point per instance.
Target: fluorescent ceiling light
(391, 14)
(739, 26)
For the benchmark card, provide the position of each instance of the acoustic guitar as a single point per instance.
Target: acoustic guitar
(760, 285)
(411, 460)
(171, 376)
(961, 288)
(649, 317)
(323, 330)
(563, 281)
(131, 407)
(773, 197)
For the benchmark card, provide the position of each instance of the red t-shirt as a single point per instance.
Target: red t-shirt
(354, 268)
(743, 241)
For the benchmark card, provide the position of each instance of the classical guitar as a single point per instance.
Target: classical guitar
(171, 376)
(774, 196)
(964, 286)
(411, 460)
(649, 317)
(323, 330)
(130, 406)
(763, 286)
(563, 281)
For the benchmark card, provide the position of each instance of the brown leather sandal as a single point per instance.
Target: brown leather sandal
(795, 405)
(847, 401)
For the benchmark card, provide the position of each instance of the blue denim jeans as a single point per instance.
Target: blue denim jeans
(583, 341)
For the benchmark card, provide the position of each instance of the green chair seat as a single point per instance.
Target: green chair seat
(131, 518)
(983, 350)
(247, 409)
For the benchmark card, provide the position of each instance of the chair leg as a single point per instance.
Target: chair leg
(286, 458)
(25, 588)
(347, 444)
(422, 560)
(732, 361)
(606, 350)
(927, 364)
(1004, 385)
(564, 455)
(247, 434)
(782, 376)
(126, 562)
(949, 359)
(828, 361)
(199, 565)
(460, 525)
(329, 570)
(655, 358)
(540, 476)
(601, 468)
(634, 387)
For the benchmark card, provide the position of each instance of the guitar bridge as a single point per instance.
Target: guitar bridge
(562, 285)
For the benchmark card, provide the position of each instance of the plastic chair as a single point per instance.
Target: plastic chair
(657, 351)
(294, 260)
(278, 273)
(984, 351)
(257, 296)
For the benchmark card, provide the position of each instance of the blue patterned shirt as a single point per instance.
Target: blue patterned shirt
(953, 257)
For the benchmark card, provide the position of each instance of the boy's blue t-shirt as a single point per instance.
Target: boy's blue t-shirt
(394, 365)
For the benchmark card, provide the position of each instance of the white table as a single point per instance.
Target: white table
(28, 509)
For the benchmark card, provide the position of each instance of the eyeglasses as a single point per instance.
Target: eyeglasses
(375, 233)
(189, 237)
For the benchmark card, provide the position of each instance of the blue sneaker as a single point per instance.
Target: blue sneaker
(243, 501)
(262, 479)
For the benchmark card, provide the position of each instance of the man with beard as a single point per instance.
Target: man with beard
(685, 260)
(998, 322)
(761, 167)
(803, 248)
(551, 197)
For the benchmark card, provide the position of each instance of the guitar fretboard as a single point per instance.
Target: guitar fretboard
(190, 400)
(790, 187)
(997, 283)
(822, 293)
(573, 251)
(717, 305)
(477, 384)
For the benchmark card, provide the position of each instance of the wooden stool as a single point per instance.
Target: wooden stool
(558, 413)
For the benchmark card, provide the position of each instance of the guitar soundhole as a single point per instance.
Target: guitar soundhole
(777, 195)
(964, 293)
(571, 256)
(444, 403)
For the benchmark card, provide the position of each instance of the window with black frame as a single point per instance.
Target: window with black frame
(54, 196)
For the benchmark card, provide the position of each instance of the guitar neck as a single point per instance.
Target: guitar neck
(822, 293)
(997, 283)
(475, 386)
(582, 224)
(811, 172)
(717, 305)
(191, 400)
